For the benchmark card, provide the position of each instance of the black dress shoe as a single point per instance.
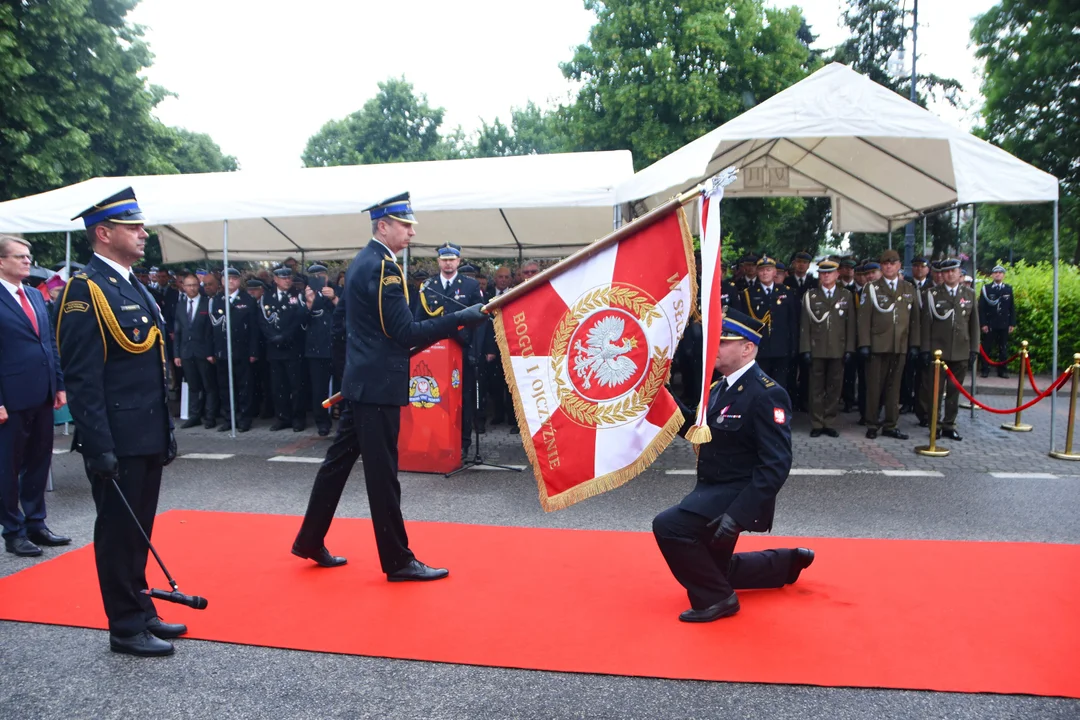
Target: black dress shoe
(322, 557)
(894, 433)
(906, 409)
(848, 408)
(724, 608)
(861, 421)
(193, 422)
(804, 558)
(984, 374)
(514, 429)
(324, 431)
(417, 570)
(816, 432)
(210, 424)
(243, 426)
(951, 434)
(166, 631)
(226, 427)
(1003, 375)
(831, 432)
(21, 546)
(924, 423)
(47, 537)
(871, 433)
(144, 645)
(279, 426)
(299, 427)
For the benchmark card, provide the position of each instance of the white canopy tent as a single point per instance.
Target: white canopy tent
(533, 205)
(882, 161)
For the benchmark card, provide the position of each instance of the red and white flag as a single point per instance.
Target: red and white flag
(587, 351)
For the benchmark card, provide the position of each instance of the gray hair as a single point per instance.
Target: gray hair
(6, 241)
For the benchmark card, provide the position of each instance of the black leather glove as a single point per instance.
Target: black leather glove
(726, 528)
(972, 359)
(170, 451)
(473, 315)
(925, 356)
(864, 351)
(847, 358)
(104, 466)
(912, 354)
(805, 357)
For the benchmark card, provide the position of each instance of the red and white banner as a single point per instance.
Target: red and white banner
(587, 351)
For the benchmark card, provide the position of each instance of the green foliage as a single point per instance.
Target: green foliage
(198, 153)
(531, 130)
(394, 126)
(1030, 82)
(1033, 288)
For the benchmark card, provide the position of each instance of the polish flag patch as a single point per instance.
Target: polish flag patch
(778, 415)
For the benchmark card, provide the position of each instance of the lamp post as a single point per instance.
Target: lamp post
(909, 230)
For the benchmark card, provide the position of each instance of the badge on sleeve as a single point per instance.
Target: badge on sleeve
(778, 415)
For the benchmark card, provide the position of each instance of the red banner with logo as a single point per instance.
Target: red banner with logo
(430, 436)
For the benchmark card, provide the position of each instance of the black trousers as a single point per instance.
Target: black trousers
(996, 344)
(502, 403)
(468, 402)
(262, 392)
(242, 384)
(26, 444)
(909, 388)
(319, 372)
(290, 404)
(370, 431)
(203, 400)
(119, 549)
(712, 572)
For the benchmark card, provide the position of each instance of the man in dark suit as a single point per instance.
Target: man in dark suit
(381, 333)
(282, 314)
(194, 352)
(445, 293)
(998, 313)
(243, 316)
(739, 472)
(112, 351)
(31, 387)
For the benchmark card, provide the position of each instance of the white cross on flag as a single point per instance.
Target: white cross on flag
(587, 350)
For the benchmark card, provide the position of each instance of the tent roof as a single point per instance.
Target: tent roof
(881, 159)
(542, 205)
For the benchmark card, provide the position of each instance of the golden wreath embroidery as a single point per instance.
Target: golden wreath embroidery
(637, 402)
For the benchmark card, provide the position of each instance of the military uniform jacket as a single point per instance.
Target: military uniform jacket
(319, 330)
(743, 467)
(780, 313)
(114, 369)
(380, 329)
(281, 321)
(436, 300)
(809, 282)
(244, 317)
(889, 321)
(951, 324)
(827, 328)
(996, 308)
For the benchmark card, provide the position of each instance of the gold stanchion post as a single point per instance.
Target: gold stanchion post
(1018, 426)
(1069, 454)
(932, 450)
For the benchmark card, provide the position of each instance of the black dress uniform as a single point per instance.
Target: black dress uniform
(778, 309)
(281, 318)
(244, 317)
(997, 313)
(114, 369)
(439, 296)
(739, 472)
(381, 332)
(317, 357)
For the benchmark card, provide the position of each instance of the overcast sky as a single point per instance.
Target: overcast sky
(262, 76)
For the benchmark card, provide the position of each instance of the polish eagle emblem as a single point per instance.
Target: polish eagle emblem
(604, 358)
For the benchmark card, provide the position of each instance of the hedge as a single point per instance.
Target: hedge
(1033, 288)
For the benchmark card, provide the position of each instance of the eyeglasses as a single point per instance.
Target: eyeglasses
(27, 258)
(529, 273)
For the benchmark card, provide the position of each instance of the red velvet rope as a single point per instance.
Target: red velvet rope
(1053, 386)
(1031, 376)
(995, 363)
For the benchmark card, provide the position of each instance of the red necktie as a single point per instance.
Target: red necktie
(28, 310)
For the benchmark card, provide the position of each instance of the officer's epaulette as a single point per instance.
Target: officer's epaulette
(767, 381)
(81, 276)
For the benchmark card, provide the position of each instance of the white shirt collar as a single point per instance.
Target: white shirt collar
(392, 253)
(734, 377)
(13, 289)
(124, 272)
(447, 280)
(766, 288)
(234, 294)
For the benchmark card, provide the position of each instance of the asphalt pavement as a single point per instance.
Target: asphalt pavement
(995, 485)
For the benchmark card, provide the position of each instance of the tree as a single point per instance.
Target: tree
(195, 152)
(394, 126)
(532, 130)
(1031, 82)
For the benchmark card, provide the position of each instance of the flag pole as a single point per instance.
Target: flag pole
(657, 213)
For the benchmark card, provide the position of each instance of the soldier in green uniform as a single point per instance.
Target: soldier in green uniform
(888, 331)
(951, 325)
(826, 342)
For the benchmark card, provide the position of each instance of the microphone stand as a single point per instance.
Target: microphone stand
(478, 460)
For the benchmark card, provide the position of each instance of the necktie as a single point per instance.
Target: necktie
(892, 286)
(191, 309)
(446, 285)
(828, 294)
(28, 310)
(723, 387)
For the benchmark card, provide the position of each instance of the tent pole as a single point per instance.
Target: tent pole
(974, 277)
(924, 236)
(1054, 361)
(228, 326)
(67, 255)
(890, 234)
(616, 217)
(405, 262)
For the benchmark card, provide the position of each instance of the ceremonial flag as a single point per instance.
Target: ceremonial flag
(587, 347)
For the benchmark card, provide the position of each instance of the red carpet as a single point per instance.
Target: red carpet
(955, 616)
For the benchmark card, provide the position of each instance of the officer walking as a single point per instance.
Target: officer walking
(950, 323)
(112, 352)
(888, 333)
(998, 314)
(281, 319)
(777, 308)
(739, 472)
(381, 332)
(243, 314)
(826, 342)
(320, 300)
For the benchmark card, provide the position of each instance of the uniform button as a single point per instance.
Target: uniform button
(116, 405)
